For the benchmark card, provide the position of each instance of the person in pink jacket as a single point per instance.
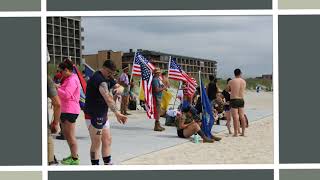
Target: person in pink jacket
(69, 93)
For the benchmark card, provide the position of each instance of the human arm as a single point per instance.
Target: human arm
(182, 124)
(55, 101)
(67, 89)
(157, 87)
(104, 91)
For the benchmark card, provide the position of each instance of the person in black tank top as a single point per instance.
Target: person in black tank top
(98, 101)
(227, 113)
(212, 88)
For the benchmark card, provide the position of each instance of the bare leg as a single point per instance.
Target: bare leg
(106, 142)
(243, 120)
(126, 103)
(69, 133)
(191, 129)
(95, 143)
(228, 116)
(235, 117)
(195, 128)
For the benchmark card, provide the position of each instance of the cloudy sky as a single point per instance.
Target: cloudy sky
(233, 41)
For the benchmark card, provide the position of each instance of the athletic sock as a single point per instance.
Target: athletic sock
(75, 158)
(107, 160)
(95, 161)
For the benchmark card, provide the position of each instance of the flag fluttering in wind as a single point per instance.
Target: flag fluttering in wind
(138, 59)
(83, 84)
(146, 80)
(88, 71)
(176, 73)
(207, 115)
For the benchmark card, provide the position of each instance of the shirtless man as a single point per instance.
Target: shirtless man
(237, 87)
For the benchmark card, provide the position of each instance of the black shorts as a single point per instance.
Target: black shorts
(236, 103)
(180, 133)
(68, 117)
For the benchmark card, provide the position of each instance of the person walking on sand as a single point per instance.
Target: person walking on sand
(98, 101)
(237, 88)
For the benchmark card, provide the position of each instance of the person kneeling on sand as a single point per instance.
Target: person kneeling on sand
(186, 126)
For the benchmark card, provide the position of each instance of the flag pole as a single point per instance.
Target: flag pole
(135, 53)
(200, 80)
(175, 99)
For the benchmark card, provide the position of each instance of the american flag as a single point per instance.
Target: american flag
(176, 73)
(137, 60)
(146, 79)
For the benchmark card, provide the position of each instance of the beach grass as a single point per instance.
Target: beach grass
(252, 83)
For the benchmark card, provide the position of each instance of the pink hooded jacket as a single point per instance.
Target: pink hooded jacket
(69, 93)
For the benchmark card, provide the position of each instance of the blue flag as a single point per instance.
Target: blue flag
(207, 115)
(88, 71)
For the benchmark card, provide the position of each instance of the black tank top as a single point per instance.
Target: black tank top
(226, 95)
(212, 91)
(95, 103)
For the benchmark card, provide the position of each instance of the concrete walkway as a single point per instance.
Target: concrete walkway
(136, 137)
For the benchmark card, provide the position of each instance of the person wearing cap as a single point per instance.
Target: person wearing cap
(157, 88)
(124, 81)
(187, 126)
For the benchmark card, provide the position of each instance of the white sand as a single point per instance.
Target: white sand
(255, 148)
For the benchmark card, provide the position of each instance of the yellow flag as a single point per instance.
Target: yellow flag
(166, 97)
(141, 94)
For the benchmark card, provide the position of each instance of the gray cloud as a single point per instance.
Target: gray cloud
(233, 41)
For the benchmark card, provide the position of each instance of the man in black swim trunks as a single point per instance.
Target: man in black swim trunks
(237, 88)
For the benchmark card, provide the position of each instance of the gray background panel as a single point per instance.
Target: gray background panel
(164, 175)
(299, 64)
(20, 91)
(20, 5)
(299, 174)
(85, 5)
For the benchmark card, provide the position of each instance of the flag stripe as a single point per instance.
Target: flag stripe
(176, 73)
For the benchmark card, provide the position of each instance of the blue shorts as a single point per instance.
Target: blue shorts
(98, 122)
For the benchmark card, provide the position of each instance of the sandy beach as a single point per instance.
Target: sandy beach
(255, 148)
